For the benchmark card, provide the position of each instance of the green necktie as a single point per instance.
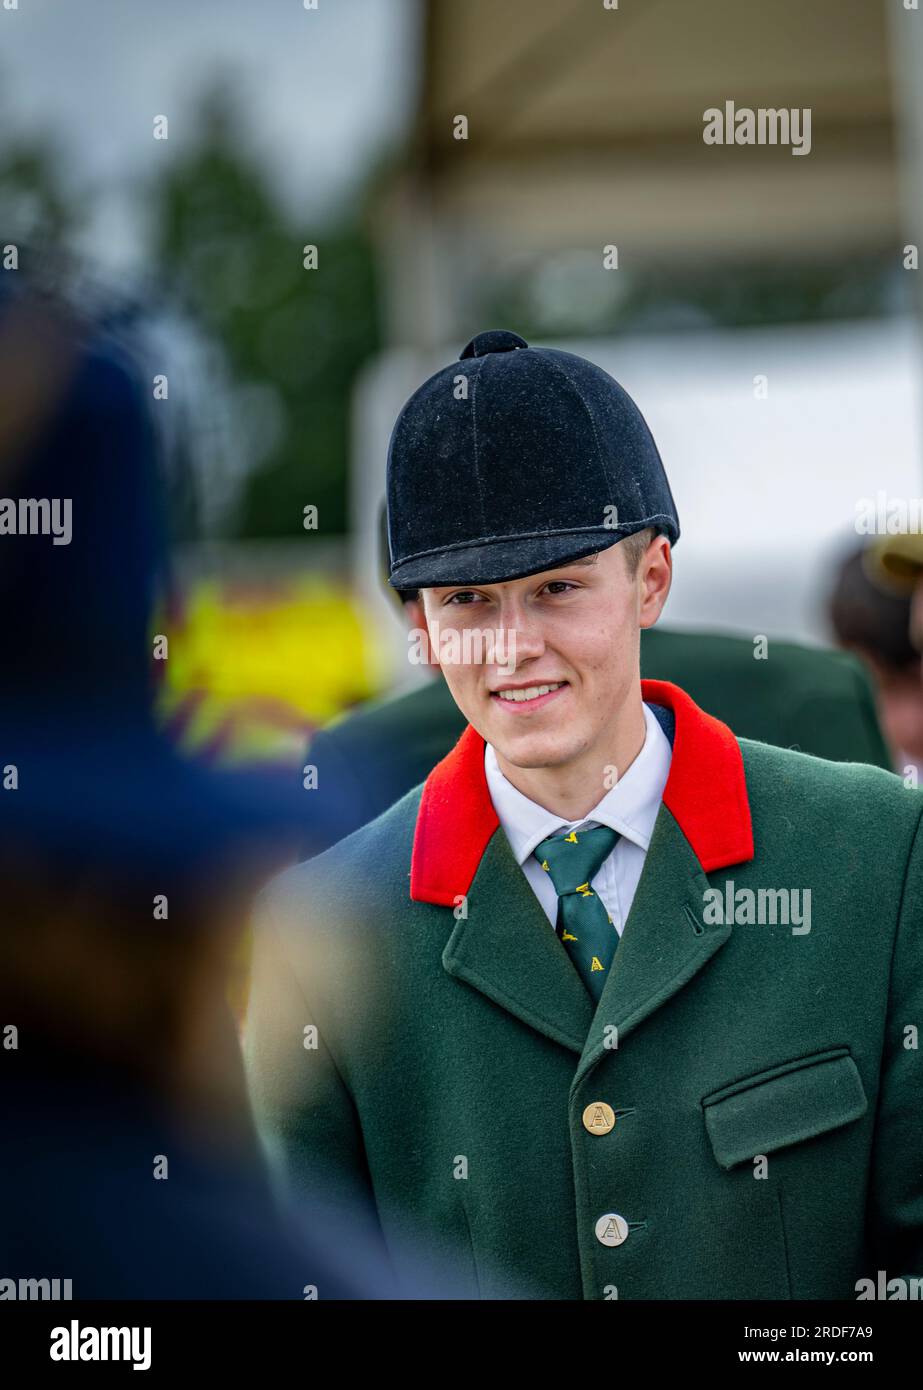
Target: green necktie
(584, 926)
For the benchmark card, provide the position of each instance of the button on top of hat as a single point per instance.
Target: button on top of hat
(494, 340)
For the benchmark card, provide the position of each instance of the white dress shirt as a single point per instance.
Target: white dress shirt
(630, 807)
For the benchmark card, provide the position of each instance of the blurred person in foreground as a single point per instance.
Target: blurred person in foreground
(871, 615)
(129, 1165)
(624, 998)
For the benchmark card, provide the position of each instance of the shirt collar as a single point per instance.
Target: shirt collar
(630, 807)
(456, 818)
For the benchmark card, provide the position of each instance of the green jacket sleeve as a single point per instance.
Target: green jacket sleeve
(896, 1197)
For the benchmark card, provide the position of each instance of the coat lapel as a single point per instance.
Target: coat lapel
(664, 942)
(503, 944)
(507, 949)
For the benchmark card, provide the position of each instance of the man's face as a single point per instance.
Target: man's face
(573, 637)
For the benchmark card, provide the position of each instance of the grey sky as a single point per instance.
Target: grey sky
(321, 90)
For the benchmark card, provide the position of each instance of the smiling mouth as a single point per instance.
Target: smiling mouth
(528, 695)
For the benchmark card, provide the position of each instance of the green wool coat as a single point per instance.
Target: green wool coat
(765, 1080)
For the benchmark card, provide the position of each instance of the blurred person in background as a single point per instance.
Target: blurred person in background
(871, 612)
(898, 562)
(129, 1164)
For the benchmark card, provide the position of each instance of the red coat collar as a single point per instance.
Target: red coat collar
(706, 793)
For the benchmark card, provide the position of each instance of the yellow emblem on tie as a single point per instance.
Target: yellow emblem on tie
(545, 866)
(571, 839)
(596, 964)
(567, 936)
(584, 890)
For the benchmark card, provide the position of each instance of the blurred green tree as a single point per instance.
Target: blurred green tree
(293, 339)
(36, 209)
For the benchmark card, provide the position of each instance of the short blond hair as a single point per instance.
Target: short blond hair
(634, 547)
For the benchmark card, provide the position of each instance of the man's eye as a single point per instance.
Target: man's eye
(463, 596)
(558, 586)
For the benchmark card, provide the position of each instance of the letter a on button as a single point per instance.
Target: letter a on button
(611, 1229)
(598, 1117)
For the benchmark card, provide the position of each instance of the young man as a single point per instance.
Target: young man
(615, 1004)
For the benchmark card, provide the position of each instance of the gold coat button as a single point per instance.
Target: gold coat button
(598, 1117)
(611, 1229)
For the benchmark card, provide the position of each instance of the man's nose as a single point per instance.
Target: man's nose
(523, 633)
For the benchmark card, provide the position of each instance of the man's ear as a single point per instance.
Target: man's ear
(424, 651)
(655, 576)
(416, 617)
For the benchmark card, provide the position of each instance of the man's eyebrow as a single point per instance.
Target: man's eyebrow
(587, 560)
(565, 565)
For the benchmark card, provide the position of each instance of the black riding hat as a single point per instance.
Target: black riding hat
(520, 460)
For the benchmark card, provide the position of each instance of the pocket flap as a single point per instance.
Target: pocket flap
(784, 1105)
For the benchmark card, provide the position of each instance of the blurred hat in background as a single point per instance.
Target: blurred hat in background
(897, 560)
